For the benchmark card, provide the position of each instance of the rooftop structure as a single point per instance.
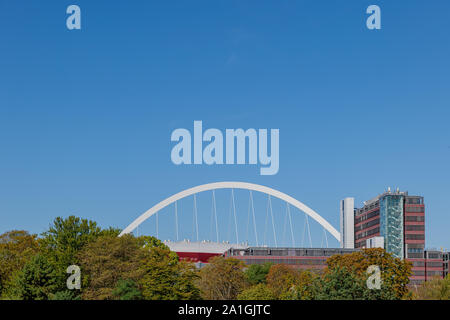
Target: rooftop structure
(201, 251)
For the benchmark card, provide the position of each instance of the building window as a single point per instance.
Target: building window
(415, 237)
(415, 228)
(415, 218)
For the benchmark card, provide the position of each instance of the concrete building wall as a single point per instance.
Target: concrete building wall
(375, 242)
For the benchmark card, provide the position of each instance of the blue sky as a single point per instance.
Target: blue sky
(86, 116)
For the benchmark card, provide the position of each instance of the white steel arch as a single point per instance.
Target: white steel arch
(232, 185)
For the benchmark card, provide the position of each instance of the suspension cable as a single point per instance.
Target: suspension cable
(215, 215)
(254, 220)
(248, 221)
(176, 219)
(309, 231)
(290, 222)
(235, 220)
(273, 223)
(195, 215)
(266, 221)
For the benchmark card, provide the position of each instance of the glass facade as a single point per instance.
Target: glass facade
(391, 224)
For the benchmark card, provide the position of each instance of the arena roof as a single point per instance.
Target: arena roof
(203, 246)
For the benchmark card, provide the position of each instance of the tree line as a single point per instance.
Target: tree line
(34, 267)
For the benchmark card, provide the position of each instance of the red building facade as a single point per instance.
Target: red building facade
(368, 224)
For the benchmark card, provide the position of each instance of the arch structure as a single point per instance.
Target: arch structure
(232, 185)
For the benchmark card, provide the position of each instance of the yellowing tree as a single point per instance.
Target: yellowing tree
(222, 279)
(435, 289)
(281, 278)
(395, 272)
(288, 283)
(164, 277)
(16, 248)
(257, 292)
(106, 261)
(131, 268)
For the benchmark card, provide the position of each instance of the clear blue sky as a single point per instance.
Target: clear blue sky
(86, 116)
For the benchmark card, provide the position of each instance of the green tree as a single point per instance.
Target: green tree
(339, 284)
(64, 239)
(112, 232)
(36, 281)
(151, 242)
(65, 295)
(257, 273)
(167, 278)
(222, 279)
(127, 289)
(16, 248)
(257, 292)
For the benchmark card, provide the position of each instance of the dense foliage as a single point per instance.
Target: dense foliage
(395, 272)
(112, 267)
(34, 267)
(257, 273)
(222, 279)
(16, 249)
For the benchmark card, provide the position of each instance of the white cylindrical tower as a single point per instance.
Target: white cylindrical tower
(347, 209)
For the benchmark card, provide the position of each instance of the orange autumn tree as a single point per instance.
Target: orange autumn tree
(395, 272)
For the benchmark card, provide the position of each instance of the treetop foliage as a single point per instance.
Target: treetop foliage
(395, 272)
(222, 279)
(257, 273)
(133, 268)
